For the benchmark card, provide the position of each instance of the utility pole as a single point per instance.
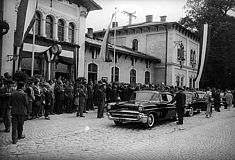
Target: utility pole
(130, 15)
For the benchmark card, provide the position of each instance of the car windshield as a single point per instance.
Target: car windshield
(145, 96)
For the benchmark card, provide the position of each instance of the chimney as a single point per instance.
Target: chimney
(114, 24)
(90, 32)
(163, 18)
(149, 18)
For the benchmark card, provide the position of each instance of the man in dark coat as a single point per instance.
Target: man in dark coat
(82, 100)
(180, 99)
(18, 111)
(101, 100)
(5, 95)
(217, 100)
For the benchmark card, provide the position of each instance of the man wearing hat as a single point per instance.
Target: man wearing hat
(18, 112)
(5, 95)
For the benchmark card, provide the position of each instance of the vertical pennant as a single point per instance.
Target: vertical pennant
(104, 54)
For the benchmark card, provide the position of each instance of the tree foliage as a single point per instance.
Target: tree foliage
(219, 70)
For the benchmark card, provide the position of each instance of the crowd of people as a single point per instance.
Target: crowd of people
(57, 96)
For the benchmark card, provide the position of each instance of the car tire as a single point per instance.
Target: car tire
(150, 121)
(118, 123)
(190, 113)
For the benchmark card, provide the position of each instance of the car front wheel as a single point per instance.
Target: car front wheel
(190, 113)
(150, 121)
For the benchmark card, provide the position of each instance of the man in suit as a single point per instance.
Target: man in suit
(5, 95)
(18, 111)
(101, 100)
(180, 99)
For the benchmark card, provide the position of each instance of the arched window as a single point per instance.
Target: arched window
(116, 78)
(147, 77)
(37, 23)
(182, 81)
(49, 27)
(71, 33)
(135, 45)
(190, 82)
(92, 72)
(133, 76)
(177, 80)
(60, 30)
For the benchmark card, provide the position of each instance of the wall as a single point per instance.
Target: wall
(124, 65)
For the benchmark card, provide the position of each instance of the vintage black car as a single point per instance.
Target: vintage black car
(145, 107)
(201, 101)
(191, 105)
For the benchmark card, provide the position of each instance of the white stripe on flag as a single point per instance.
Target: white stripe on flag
(104, 45)
(25, 15)
(203, 54)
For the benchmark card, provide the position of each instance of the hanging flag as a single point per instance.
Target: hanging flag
(104, 53)
(25, 20)
(204, 50)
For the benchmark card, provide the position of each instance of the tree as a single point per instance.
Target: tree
(219, 69)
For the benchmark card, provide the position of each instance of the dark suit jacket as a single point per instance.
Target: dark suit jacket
(180, 99)
(19, 103)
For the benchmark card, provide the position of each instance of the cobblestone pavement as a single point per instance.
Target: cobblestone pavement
(69, 137)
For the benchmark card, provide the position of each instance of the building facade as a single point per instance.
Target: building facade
(130, 66)
(174, 45)
(60, 22)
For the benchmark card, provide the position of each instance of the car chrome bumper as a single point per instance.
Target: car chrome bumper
(141, 118)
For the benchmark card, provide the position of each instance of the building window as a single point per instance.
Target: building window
(37, 23)
(182, 81)
(71, 33)
(147, 77)
(116, 74)
(193, 58)
(49, 27)
(92, 72)
(133, 61)
(180, 52)
(147, 64)
(191, 82)
(133, 76)
(177, 80)
(61, 30)
(135, 45)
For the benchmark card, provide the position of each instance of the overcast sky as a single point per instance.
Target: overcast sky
(99, 19)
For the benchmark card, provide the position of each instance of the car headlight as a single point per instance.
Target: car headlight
(140, 108)
(109, 107)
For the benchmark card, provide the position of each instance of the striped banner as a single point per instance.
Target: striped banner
(25, 19)
(204, 50)
(104, 54)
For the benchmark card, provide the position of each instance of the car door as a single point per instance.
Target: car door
(171, 109)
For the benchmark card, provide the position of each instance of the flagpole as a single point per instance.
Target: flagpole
(114, 49)
(32, 65)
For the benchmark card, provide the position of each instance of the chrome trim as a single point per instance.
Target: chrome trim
(142, 118)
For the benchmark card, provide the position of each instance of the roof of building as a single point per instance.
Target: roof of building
(122, 49)
(149, 24)
(89, 4)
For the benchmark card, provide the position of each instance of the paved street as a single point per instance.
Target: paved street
(69, 137)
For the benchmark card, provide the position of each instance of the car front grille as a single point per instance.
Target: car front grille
(124, 115)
